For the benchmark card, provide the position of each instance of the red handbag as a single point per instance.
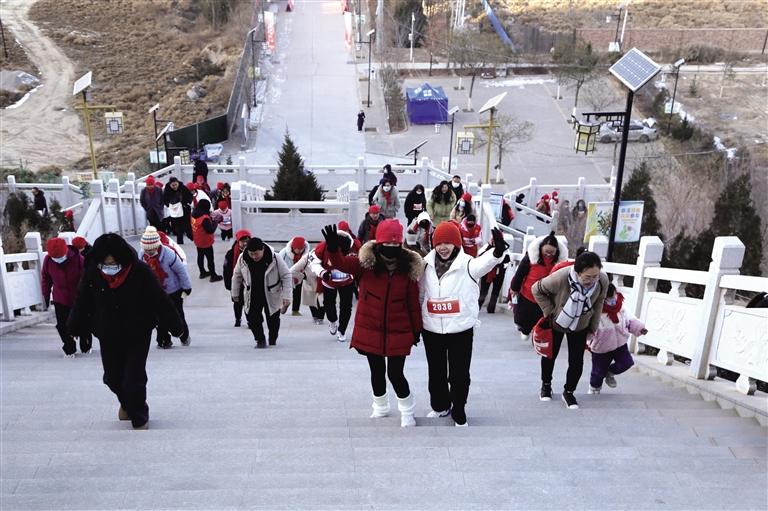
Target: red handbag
(542, 338)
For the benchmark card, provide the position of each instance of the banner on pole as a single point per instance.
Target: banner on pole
(629, 223)
(269, 27)
(496, 201)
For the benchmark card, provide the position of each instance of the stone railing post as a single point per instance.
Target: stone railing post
(130, 176)
(532, 196)
(237, 206)
(580, 193)
(424, 170)
(177, 169)
(361, 174)
(599, 245)
(5, 292)
(114, 187)
(242, 169)
(34, 244)
(650, 255)
(727, 256)
(354, 207)
(97, 192)
(130, 191)
(11, 184)
(66, 193)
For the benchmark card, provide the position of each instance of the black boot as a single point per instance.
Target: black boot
(492, 304)
(480, 301)
(216, 278)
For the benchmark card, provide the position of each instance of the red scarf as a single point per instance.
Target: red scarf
(154, 264)
(296, 257)
(613, 312)
(235, 254)
(115, 281)
(387, 197)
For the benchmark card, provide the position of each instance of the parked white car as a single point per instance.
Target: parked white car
(638, 132)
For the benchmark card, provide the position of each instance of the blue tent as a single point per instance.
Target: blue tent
(427, 105)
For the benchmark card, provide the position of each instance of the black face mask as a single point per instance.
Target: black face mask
(470, 226)
(389, 252)
(424, 225)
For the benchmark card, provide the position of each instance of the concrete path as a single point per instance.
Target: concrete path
(287, 428)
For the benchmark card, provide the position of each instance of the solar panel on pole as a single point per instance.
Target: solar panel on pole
(635, 69)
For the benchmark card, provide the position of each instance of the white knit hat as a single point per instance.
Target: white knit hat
(150, 240)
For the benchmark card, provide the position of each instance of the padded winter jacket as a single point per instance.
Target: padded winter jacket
(63, 278)
(440, 211)
(552, 292)
(610, 335)
(278, 283)
(177, 276)
(529, 271)
(388, 318)
(389, 208)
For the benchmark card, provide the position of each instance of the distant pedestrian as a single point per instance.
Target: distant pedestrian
(311, 293)
(230, 260)
(200, 168)
(120, 301)
(542, 255)
(389, 174)
(418, 235)
(61, 272)
(388, 319)
(203, 228)
(178, 200)
(39, 202)
(268, 284)
(367, 229)
(296, 248)
(151, 200)
(493, 280)
(610, 355)
(471, 235)
(507, 215)
(171, 273)
(543, 205)
(415, 203)
(572, 298)
(449, 301)
(67, 221)
(360, 120)
(441, 203)
(456, 186)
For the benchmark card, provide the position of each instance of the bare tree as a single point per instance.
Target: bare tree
(577, 65)
(511, 131)
(474, 51)
(600, 95)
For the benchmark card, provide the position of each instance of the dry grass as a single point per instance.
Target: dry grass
(141, 53)
(17, 61)
(557, 15)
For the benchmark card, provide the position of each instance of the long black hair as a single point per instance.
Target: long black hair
(551, 240)
(439, 196)
(110, 244)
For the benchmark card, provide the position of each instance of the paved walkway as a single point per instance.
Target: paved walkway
(287, 428)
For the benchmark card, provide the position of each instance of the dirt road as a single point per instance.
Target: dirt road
(44, 130)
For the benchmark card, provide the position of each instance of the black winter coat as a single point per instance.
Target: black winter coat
(412, 201)
(132, 309)
(171, 196)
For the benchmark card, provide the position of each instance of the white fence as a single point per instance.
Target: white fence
(20, 288)
(581, 190)
(65, 193)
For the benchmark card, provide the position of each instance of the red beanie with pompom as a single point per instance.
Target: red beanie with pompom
(298, 243)
(56, 247)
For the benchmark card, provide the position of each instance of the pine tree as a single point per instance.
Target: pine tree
(638, 188)
(293, 182)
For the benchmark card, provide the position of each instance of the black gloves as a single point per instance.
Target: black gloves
(416, 338)
(187, 292)
(326, 276)
(499, 245)
(331, 235)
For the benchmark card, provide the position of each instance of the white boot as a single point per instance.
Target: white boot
(406, 407)
(380, 406)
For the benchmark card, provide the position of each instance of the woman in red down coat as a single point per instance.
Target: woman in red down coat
(388, 320)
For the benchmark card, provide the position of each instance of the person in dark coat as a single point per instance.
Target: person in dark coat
(367, 229)
(230, 260)
(151, 200)
(388, 319)
(360, 120)
(178, 199)
(62, 268)
(200, 168)
(389, 175)
(415, 203)
(456, 186)
(120, 301)
(39, 202)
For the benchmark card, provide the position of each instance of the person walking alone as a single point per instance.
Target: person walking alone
(360, 120)
(388, 319)
(177, 199)
(61, 272)
(120, 301)
(171, 273)
(151, 200)
(268, 283)
(449, 301)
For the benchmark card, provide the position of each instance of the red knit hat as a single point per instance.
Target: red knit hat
(298, 243)
(68, 214)
(467, 197)
(344, 226)
(222, 204)
(150, 181)
(374, 209)
(56, 247)
(191, 187)
(446, 232)
(159, 184)
(79, 242)
(389, 231)
(220, 185)
(242, 233)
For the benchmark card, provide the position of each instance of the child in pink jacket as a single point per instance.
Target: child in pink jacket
(610, 355)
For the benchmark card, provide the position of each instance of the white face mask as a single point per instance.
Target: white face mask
(59, 259)
(387, 188)
(461, 204)
(419, 192)
(455, 184)
(611, 301)
(110, 269)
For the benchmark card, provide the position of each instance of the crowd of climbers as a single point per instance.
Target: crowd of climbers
(426, 280)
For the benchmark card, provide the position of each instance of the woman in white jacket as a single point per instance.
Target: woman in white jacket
(296, 248)
(449, 308)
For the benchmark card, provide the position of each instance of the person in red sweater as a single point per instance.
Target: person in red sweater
(568, 262)
(388, 319)
(542, 255)
(203, 228)
(62, 269)
(470, 235)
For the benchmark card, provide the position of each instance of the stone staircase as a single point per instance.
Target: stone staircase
(287, 428)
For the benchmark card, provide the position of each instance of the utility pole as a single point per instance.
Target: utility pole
(410, 36)
(620, 175)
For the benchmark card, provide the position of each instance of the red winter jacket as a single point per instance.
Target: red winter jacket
(320, 263)
(388, 317)
(63, 278)
(529, 271)
(470, 238)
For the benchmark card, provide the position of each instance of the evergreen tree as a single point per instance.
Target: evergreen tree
(293, 182)
(638, 188)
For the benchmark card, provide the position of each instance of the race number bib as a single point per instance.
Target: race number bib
(444, 307)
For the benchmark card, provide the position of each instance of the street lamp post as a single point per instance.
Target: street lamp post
(370, 42)
(153, 111)
(452, 113)
(677, 66)
(620, 174)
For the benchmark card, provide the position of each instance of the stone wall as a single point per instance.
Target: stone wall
(746, 40)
